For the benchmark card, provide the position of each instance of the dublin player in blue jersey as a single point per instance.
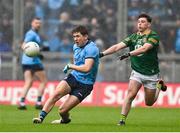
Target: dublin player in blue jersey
(79, 82)
(32, 66)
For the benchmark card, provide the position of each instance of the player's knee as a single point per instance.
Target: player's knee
(27, 85)
(55, 97)
(44, 82)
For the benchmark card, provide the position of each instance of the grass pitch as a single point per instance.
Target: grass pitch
(92, 119)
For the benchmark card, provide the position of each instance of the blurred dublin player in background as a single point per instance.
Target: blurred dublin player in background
(32, 66)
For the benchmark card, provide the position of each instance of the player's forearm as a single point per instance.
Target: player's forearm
(115, 48)
(137, 52)
(82, 68)
(140, 50)
(111, 50)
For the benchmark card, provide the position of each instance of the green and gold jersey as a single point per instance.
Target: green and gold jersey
(146, 63)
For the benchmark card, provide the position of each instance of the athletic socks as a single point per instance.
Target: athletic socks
(122, 118)
(42, 115)
(39, 98)
(22, 101)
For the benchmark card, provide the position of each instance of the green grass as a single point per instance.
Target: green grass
(92, 119)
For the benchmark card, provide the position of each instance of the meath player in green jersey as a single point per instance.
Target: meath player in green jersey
(143, 47)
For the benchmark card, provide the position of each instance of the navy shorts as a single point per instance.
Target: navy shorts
(33, 68)
(78, 89)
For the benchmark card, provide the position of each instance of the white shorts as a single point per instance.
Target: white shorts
(147, 81)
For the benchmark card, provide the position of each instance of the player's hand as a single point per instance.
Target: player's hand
(124, 56)
(101, 54)
(41, 56)
(66, 68)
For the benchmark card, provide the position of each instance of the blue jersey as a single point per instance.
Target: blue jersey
(90, 50)
(31, 36)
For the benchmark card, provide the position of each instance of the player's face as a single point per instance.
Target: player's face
(79, 39)
(36, 24)
(142, 24)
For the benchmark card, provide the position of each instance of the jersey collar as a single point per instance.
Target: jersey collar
(146, 32)
(88, 41)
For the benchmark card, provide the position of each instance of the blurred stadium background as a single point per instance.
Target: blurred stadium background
(108, 22)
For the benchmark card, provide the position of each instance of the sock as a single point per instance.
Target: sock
(123, 117)
(39, 100)
(65, 117)
(158, 85)
(42, 115)
(22, 101)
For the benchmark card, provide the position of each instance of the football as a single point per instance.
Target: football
(31, 49)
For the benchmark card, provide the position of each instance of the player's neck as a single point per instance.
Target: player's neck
(146, 32)
(36, 30)
(86, 42)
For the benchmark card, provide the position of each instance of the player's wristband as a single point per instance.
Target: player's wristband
(129, 54)
(101, 54)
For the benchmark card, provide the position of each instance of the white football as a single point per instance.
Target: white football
(31, 49)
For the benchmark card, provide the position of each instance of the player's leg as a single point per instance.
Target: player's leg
(78, 93)
(62, 89)
(28, 80)
(152, 87)
(133, 89)
(70, 103)
(41, 75)
(150, 96)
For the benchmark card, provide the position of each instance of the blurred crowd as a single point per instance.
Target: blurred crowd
(166, 20)
(6, 24)
(100, 16)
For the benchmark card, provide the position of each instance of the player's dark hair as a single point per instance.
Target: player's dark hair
(81, 29)
(144, 15)
(36, 18)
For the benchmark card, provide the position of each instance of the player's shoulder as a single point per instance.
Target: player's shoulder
(92, 45)
(133, 35)
(154, 34)
(92, 48)
(30, 33)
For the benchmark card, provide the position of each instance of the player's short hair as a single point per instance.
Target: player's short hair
(81, 29)
(144, 15)
(35, 18)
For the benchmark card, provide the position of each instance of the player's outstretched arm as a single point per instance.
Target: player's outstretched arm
(113, 49)
(82, 68)
(136, 52)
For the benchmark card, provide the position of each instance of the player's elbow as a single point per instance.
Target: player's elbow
(144, 50)
(87, 69)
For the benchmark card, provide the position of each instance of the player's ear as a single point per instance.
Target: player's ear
(149, 24)
(86, 36)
